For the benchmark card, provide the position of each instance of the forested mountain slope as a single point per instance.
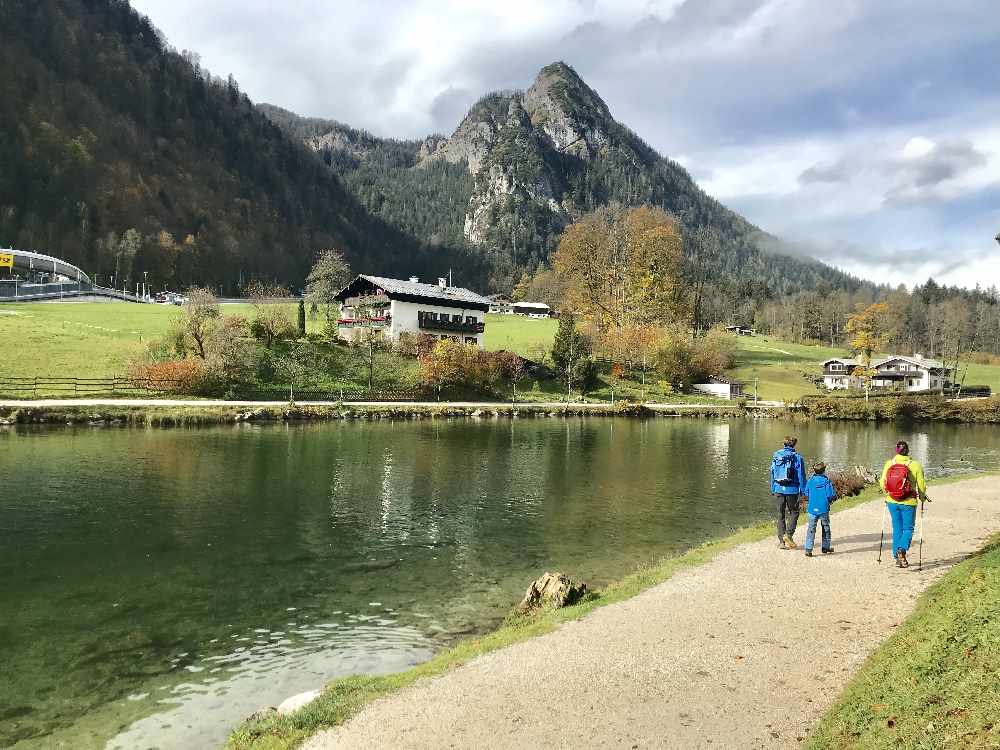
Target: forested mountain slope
(121, 155)
(523, 164)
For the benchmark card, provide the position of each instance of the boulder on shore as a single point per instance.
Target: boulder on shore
(293, 704)
(551, 590)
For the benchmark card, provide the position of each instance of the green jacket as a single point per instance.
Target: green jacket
(916, 479)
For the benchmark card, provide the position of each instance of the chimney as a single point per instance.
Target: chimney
(414, 280)
(442, 282)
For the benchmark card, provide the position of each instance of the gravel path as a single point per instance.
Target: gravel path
(746, 651)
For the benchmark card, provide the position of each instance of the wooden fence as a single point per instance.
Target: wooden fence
(64, 387)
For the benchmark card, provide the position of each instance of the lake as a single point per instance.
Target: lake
(159, 585)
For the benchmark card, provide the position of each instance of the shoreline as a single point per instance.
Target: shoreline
(114, 412)
(342, 699)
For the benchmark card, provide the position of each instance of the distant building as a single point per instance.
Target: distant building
(911, 374)
(717, 386)
(499, 304)
(531, 309)
(396, 307)
(741, 330)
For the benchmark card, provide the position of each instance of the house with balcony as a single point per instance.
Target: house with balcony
(393, 307)
(895, 372)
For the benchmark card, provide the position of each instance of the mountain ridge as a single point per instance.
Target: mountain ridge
(535, 160)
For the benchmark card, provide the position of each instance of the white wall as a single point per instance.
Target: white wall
(404, 319)
(714, 389)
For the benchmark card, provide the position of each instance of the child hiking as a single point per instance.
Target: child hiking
(903, 483)
(819, 494)
(788, 481)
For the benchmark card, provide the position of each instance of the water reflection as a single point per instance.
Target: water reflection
(173, 581)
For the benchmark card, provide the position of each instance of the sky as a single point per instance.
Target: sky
(863, 132)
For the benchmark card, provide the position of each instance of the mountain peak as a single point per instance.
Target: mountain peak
(571, 113)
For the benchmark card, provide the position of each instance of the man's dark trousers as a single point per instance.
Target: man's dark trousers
(787, 504)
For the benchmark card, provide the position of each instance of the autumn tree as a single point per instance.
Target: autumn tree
(199, 316)
(868, 335)
(328, 276)
(623, 267)
(705, 248)
(270, 320)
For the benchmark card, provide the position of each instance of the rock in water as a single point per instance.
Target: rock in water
(551, 590)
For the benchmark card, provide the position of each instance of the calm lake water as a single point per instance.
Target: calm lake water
(157, 586)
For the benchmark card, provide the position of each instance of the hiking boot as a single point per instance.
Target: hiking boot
(789, 543)
(781, 544)
(828, 551)
(899, 558)
(809, 553)
(903, 562)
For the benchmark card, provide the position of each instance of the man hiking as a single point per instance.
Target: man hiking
(788, 482)
(903, 483)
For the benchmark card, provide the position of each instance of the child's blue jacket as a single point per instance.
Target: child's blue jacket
(820, 493)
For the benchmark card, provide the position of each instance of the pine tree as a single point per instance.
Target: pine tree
(302, 318)
(571, 351)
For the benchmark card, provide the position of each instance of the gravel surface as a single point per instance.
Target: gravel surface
(746, 651)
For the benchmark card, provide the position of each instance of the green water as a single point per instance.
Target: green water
(157, 586)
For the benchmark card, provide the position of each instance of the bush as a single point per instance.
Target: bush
(847, 484)
(182, 376)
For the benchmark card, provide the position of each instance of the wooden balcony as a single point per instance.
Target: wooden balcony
(427, 322)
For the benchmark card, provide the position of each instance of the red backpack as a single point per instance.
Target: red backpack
(897, 482)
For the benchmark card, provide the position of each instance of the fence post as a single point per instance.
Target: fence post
(34, 388)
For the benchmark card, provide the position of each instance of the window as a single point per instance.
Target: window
(471, 340)
(470, 319)
(456, 318)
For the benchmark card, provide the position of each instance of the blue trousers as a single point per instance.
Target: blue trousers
(824, 520)
(903, 517)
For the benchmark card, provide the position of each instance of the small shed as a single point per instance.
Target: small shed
(720, 387)
(741, 330)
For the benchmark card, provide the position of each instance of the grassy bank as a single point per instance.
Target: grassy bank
(343, 698)
(173, 416)
(936, 682)
(921, 408)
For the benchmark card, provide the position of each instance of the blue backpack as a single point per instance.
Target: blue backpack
(784, 469)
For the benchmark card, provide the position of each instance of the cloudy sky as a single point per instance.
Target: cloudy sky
(866, 131)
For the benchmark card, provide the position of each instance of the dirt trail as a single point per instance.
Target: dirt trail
(744, 652)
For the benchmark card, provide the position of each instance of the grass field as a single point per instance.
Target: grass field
(936, 682)
(99, 339)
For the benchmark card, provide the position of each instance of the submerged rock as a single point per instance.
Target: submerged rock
(551, 590)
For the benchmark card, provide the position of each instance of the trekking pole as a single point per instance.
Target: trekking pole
(920, 552)
(881, 540)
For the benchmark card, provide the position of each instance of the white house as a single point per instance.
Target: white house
(916, 373)
(531, 309)
(716, 386)
(394, 307)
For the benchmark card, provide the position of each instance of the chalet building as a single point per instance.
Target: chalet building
(394, 307)
(916, 373)
(741, 330)
(531, 309)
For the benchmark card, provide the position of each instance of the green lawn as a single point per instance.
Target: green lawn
(516, 333)
(99, 339)
(86, 339)
(936, 682)
(781, 369)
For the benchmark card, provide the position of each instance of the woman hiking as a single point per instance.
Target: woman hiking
(903, 483)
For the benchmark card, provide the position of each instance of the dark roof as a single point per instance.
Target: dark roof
(417, 289)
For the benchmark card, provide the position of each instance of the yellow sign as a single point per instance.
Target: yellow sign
(7, 260)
